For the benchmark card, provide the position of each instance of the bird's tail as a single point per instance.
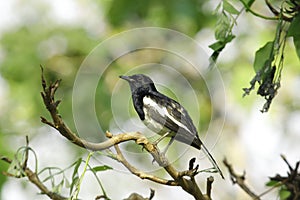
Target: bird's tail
(212, 160)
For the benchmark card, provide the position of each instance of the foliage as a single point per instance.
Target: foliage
(22, 51)
(55, 46)
(185, 16)
(269, 59)
(294, 33)
(25, 49)
(223, 31)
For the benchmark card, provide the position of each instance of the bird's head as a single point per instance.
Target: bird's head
(139, 81)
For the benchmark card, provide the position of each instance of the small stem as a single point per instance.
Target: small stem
(82, 176)
(99, 182)
(209, 182)
(257, 14)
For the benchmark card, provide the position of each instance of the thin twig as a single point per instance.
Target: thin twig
(277, 13)
(255, 13)
(209, 182)
(33, 178)
(120, 157)
(240, 180)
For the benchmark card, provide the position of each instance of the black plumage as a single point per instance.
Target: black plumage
(164, 115)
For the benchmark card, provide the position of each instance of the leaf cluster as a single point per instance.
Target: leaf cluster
(289, 186)
(269, 59)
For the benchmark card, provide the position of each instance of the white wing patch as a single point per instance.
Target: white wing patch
(148, 121)
(151, 123)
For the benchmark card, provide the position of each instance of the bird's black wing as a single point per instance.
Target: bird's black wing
(179, 122)
(177, 111)
(175, 118)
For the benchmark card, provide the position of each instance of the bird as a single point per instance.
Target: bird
(164, 115)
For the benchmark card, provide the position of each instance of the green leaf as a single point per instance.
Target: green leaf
(248, 3)
(297, 44)
(271, 183)
(218, 8)
(294, 27)
(263, 57)
(229, 38)
(76, 167)
(75, 177)
(222, 27)
(295, 33)
(74, 183)
(284, 194)
(58, 187)
(219, 45)
(229, 8)
(101, 168)
(67, 183)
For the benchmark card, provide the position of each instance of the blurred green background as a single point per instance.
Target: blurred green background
(60, 34)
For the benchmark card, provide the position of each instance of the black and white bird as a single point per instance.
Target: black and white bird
(164, 115)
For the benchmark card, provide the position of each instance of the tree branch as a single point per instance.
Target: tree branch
(120, 157)
(188, 184)
(240, 180)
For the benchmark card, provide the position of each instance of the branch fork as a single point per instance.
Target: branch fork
(185, 179)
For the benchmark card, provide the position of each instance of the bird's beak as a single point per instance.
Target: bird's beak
(127, 78)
